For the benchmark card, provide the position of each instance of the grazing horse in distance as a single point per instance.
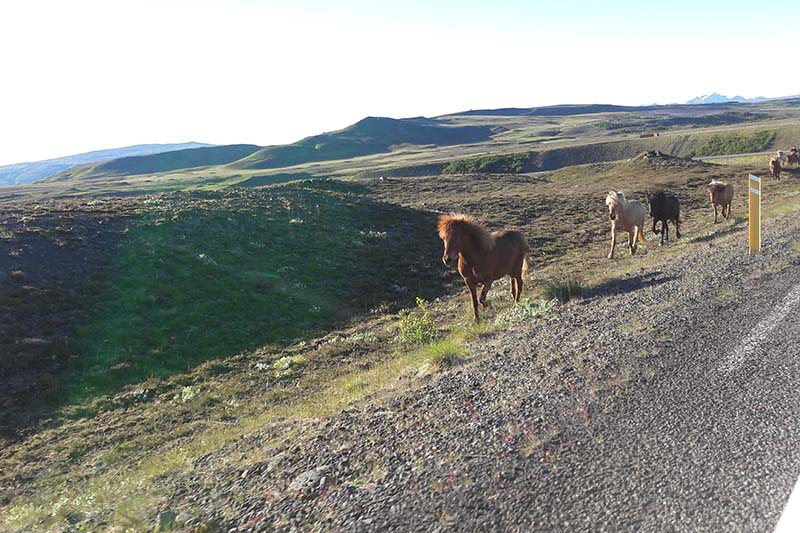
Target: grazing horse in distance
(483, 256)
(721, 195)
(775, 167)
(625, 216)
(664, 207)
(793, 157)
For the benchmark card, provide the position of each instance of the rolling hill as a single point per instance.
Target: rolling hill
(164, 162)
(21, 173)
(491, 140)
(371, 135)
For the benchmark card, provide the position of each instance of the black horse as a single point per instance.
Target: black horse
(665, 207)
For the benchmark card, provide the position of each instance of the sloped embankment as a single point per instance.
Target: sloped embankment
(123, 290)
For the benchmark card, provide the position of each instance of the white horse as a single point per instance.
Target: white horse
(625, 216)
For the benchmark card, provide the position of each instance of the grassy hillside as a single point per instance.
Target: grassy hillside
(557, 110)
(34, 171)
(193, 277)
(687, 145)
(164, 162)
(371, 135)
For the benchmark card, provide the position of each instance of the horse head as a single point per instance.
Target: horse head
(451, 235)
(615, 201)
(452, 245)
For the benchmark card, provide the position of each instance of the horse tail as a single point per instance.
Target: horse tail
(525, 248)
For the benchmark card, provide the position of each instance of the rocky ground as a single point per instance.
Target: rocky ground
(636, 407)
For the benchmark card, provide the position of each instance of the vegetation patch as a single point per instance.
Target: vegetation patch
(488, 164)
(525, 311)
(416, 326)
(564, 289)
(736, 143)
(210, 275)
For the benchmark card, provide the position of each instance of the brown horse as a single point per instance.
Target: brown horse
(793, 157)
(775, 167)
(483, 256)
(720, 194)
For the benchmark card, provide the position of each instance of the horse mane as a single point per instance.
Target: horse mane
(716, 185)
(453, 222)
(615, 198)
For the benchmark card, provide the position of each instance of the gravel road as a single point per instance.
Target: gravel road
(664, 401)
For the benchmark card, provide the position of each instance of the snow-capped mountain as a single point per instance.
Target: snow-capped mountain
(716, 98)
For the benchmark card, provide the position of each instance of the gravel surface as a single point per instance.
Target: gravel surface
(665, 400)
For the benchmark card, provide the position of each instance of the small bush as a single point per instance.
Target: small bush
(417, 327)
(446, 353)
(364, 337)
(525, 311)
(186, 394)
(564, 290)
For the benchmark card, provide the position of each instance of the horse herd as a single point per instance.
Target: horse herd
(484, 257)
(781, 159)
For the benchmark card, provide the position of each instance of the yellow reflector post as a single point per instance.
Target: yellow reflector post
(755, 213)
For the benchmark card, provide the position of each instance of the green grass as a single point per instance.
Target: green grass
(524, 311)
(564, 289)
(736, 143)
(753, 160)
(208, 279)
(488, 164)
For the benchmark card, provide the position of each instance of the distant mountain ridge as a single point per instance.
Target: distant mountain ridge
(716, 98)
(21, 173)
(369, 136)
(160, 162)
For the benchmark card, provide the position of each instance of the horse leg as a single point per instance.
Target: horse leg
(484, 290)
(473, 292)
(519, 288)
(613, 243)
(678, 228)
(632, 239)
(513, 288)
(665, 230)
(715, 212)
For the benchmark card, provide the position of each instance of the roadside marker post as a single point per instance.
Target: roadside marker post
(755, 214)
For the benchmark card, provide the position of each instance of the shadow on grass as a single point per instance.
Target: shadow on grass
(209, 275)
(736, 225)
(616, 286)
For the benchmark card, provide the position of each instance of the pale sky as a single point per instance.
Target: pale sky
(85, 75)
